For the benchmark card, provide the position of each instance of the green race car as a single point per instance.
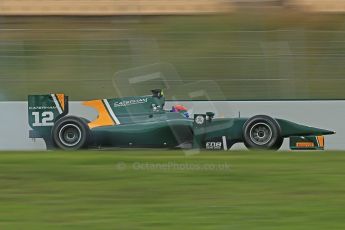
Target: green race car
(142, 121)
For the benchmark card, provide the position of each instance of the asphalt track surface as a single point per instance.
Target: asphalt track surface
(323, 114)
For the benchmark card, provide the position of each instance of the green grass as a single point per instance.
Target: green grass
(278, 54)
(172, 190)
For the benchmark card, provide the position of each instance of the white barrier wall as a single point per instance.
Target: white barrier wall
(14, 134)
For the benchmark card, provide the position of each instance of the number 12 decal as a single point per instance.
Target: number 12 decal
(43, 119)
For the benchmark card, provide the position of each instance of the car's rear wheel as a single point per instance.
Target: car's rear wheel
(70, 133)
(262, 132)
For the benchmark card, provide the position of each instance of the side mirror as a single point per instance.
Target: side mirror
(210, 115)
(157, 93)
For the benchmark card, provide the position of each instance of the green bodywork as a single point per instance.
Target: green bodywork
(43, 111)
(145, 123)
(232, 129)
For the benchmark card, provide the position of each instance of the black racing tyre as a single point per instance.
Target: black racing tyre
(278, 144)
(262, 132)
(71, 133)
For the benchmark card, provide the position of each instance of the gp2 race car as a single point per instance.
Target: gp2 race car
(142, 122)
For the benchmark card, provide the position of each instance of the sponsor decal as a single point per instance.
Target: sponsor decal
(199, 120)
(305, 144)
(41, 107)
(131, 102)
(213, 145)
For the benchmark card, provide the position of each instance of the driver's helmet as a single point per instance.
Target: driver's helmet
(180, 109)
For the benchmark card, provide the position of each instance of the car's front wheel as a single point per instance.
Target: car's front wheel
(262, 132)
(70, 133)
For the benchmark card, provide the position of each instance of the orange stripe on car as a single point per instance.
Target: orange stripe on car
(61, 99)
(104, 118)
(321, 140)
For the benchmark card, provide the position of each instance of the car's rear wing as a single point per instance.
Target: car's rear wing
(43, 112)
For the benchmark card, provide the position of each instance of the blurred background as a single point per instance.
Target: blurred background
(195, 49)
